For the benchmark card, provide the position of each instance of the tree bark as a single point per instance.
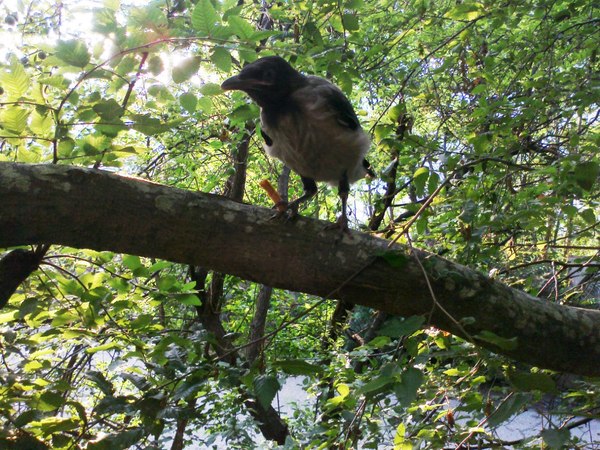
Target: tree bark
(87, 208)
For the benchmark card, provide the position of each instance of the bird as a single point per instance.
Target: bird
(309, 124)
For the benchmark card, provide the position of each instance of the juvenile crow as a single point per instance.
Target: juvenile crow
(307, 123)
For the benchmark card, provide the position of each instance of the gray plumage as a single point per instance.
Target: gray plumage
(313, 140)
(309, 124)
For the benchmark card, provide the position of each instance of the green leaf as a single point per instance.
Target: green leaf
(166, 282)
(376, 385)
(394, 258)
(132, 262)
(498, 341)
(15, 81)
(350, 22)
(465, 11)
(73, 52)
(189, 299)
(536, 381)
(419, 179)
(14, 119)
(188, 101)
(100, 380)
(145, 123)
(211, 89)
(108, 110)
(141, 321)
(406, 389)
(205, 18)
(121, 440)
(265, 389)
(556, 438)
(298, 367)
(28, 416)
(155, 65)
(102, 348)
(507, 409)
(138, 381)
(400, 441)
(41, 123)
(397, 326)
(586, 174)
(241, 28)
(186, 69)
(588, 215)
(221, 58)
(49, 401)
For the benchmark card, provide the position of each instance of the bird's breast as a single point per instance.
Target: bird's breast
(311, 141)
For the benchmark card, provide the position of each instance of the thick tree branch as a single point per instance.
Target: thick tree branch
(85, 208)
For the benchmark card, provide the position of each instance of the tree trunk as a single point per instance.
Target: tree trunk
(86, 208)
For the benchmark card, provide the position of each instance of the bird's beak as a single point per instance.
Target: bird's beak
(241, 84)
(233, 83)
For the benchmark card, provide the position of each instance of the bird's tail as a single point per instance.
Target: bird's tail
(367, 166)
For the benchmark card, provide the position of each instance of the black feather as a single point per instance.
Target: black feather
(345, 113)
(266, 137)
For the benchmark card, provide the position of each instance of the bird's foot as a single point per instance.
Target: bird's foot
(341, 224)
(285, 210)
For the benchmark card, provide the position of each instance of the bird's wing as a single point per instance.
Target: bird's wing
(336, 101)
(266, 137)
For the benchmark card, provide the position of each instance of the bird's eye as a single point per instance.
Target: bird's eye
(269, 76)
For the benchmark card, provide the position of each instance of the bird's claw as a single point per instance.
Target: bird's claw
(341, 224)
(285, 210)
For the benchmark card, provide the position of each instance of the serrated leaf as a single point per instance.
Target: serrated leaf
(73, 52)
(205, 18)
(14, 119)
(298, 367)
(186, 69)
(265, 389)
(188, 101)
(41, 124)
(240, 27)
(15, 81)
(221, 58)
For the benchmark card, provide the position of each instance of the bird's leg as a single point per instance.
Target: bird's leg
(310, 189)
(342, 221)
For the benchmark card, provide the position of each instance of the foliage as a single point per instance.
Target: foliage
(488, 109)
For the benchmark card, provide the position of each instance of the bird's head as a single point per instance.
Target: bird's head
(268, 81)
